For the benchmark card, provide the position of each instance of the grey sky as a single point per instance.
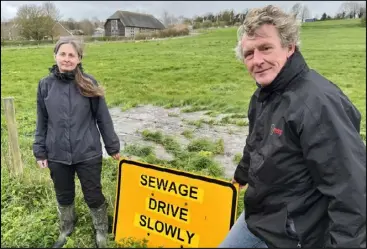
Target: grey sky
(102, 10)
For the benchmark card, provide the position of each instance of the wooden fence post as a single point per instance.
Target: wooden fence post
(16, 166)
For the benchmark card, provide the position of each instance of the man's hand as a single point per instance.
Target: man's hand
(116, 156)
(42, 163)
(241, 186)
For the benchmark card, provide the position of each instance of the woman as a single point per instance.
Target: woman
(70, 105)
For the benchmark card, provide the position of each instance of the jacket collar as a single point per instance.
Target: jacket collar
(294, 66)
(67, 76)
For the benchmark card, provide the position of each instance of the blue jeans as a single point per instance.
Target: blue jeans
(240, 237)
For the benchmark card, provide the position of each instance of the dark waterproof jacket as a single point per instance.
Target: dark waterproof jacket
(304, 162)
(66, 129)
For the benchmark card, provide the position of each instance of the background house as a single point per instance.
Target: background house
(310, 20)
(128, 24)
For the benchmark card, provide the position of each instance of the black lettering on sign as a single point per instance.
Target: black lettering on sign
(172, 188)
(151, 181)
(190, 236)
(168, 209)
(169, 186)
(143, 180)
(166, 230)
(152, 204)
(183, 214)
(193, 192)
(162, 184)
(161, 225)
(143, 220)
(183, 189)
(161, 207)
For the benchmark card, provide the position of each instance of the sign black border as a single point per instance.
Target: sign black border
(172, 171)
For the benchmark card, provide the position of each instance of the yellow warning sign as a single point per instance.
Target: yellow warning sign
(172, 208)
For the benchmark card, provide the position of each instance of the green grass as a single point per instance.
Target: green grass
(237, 158)
(197, 157)
(189, 134)
(203, 144)
(198, 73)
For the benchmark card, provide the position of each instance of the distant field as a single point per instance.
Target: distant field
(199, 71)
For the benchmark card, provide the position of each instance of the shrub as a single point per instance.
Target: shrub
(196, 25)
(207, 24)
(172, 31)
(138, 151)
(203, 144)
(25, 42)
(156, 137)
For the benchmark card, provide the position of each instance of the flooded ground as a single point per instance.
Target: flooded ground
(130, 123)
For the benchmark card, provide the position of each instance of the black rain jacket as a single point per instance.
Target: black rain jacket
(66, 129)
(304, 162)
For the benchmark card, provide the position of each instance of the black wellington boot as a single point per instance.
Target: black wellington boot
(100, 222)
(68, 219)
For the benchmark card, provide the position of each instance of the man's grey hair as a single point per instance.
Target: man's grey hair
(286, 24)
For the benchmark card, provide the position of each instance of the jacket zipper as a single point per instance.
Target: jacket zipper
(71, 159)
(258, 115)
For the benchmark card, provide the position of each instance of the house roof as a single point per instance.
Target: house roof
(131, 19)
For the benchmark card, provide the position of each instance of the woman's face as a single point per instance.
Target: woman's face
(67, 58)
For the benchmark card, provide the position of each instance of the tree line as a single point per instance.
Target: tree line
(350, 9)
(37, 22)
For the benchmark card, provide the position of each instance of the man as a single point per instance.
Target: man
(304, 160)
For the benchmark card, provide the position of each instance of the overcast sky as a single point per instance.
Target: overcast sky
(102, 10)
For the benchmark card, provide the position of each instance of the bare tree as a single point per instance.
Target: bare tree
(71, 24)
(181, 19)
(96, 22)
(296, 9)
(52, 11)
(166, 18)
(87, 27)
(305, 13)
(352, 9)
(52, 16)
(187, 21)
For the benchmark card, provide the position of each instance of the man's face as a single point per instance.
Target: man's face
(264, 55)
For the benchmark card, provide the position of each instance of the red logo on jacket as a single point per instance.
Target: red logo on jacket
(275, 130)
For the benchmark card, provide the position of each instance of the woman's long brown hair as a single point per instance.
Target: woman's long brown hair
(86, 87)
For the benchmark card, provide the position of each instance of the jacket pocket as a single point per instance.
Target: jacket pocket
(91, 140)
(256, 162)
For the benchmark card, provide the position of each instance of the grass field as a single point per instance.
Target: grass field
(200, 72)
